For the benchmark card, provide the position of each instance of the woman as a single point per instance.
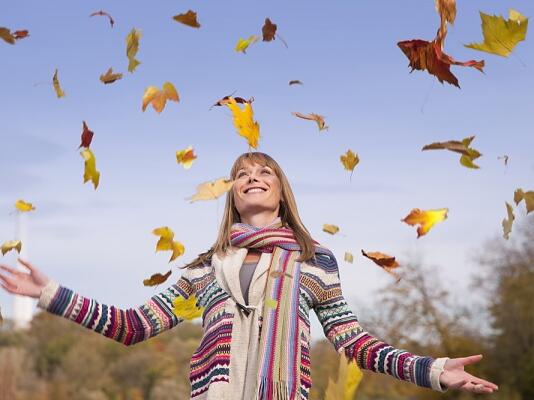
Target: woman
(257, 285)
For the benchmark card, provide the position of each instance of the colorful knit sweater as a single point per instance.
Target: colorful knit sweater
(223, 365)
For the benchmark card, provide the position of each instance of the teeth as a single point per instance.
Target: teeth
(255, 190)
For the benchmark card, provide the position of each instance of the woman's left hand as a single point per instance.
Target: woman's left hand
(454, 376)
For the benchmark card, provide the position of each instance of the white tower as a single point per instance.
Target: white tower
(22, 306)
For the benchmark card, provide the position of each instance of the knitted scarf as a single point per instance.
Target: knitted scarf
(279, 362)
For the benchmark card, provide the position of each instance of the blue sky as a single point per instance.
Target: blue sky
(99, 243)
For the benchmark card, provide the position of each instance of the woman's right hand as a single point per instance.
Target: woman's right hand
(23, 283)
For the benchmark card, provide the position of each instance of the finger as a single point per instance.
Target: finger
(470, 359)
(12, 270)
(26, 264)
(10, 281)
(478, 388)
(6, 285)
(458, 384)
(486, 383)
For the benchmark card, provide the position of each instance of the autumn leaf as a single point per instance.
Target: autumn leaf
(186, 309)
(186, 157)
(386, 262)
(211, 190)
(55, 82)
(11, 38)
(132, 47)
(348, 379)
(295, 82)
(156, 279)
(501, 36)
(426, 219)
(519, 195)
(331, 229)
(226, 99)
(319, 119)
(110, 76)
(22, 206)
(11, 245)
(504, 158)
(244, 121)
(189, 19)
(90, 172)
(87, 136)
(508, 221)
(468, 154)
(166, 242)
(349, 161)
(243, 44)
(268, 30)
(158, 97)
(349, 257)
(104, 14)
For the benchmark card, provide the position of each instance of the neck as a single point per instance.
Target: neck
(259, 220)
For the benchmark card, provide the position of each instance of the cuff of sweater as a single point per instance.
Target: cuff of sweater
(47, 294)
(435, 372)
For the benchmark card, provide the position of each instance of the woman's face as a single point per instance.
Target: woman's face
(256, 189)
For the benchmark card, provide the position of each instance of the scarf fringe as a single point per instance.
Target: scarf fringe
(271, 390)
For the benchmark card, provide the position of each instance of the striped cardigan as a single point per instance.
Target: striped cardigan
(224, 366)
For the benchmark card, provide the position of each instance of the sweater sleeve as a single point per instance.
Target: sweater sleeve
(129, 326)
(343, 330)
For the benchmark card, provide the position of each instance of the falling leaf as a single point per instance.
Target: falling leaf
(186, 157)
(295, 82)
(331, 229)
(22, 206)
(426, 219)
(349, 257)
(189, 19)
(158, 97)
(501, 36)
(87, 136)
(519, 195)
(319, 119)
(242, 44)
(110, 77)
(384, 261)
(348, 379)
(132, 47)
(244, 121)
(104, 14)
(166, 242)
(268, 30)
(90, 172)
(271, 303)
(156, 279)
(446, 10)
(187, 308)
(55, 82)
(504, 158)
(11, 245)
(226, 99)
(507, 222)
(349, 161)
(11, 38)
(211, 190)
(468, 154)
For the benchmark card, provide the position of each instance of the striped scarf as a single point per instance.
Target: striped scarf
(279, 365)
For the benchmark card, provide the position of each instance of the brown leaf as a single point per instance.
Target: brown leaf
(319, 119)
(104, 14)
(268, 30)
(189, 19)
(110, 77)
(156, 279)
(226, 99)
(87, 136)
(295, 82)
(384, 261)
(11, 38)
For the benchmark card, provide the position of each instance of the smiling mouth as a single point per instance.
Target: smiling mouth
(255, 190)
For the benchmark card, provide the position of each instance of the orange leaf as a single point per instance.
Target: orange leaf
(426, 219)
(319, 119)
(189, 19)
(110, 77)
(384, 261)
(186, 157)
(156, 279)
(211, 190)
(11, 38)
(158, 97)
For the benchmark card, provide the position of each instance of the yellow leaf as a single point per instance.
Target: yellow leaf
(507, 222)
(187, 309)
(22, 206)
(426, 219)
(11, 245)
(211, 190)
(519, 195)
(186, 157)
(132, 47)
(348, 379)
(349, 161)
(90, 172)
(166, 242)
(156, 279)
(110, 77)
(242, 44)
(189, 19)
(158, 97)
(244, 121)
(319, 119)
(55, 82)
(331, 229)
(501, 36)
(271, 303)
(468, 154)
(349, 257)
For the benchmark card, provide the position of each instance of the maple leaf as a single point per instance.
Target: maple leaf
(132, 47)
(90, 171)
(22, 206)
(211, 190)
(508, 221)
(501, 36)
(319, 119)
(186, 157)
(156, 279)
(55, 82)
(11, 245)
(426, 219)
(528, 197)
(244, 121)
(166, 242)
(331, 229)
(87, 136)
(158, 97)
(186, 308)
(104, 14)
(349, 161)
(110, 76)
(189, 19)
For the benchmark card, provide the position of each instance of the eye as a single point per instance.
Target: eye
(240, 174)
(265, 171)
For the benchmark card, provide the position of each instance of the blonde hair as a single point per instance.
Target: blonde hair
(288, 212)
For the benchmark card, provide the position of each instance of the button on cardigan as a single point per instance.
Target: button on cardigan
(225, 364)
